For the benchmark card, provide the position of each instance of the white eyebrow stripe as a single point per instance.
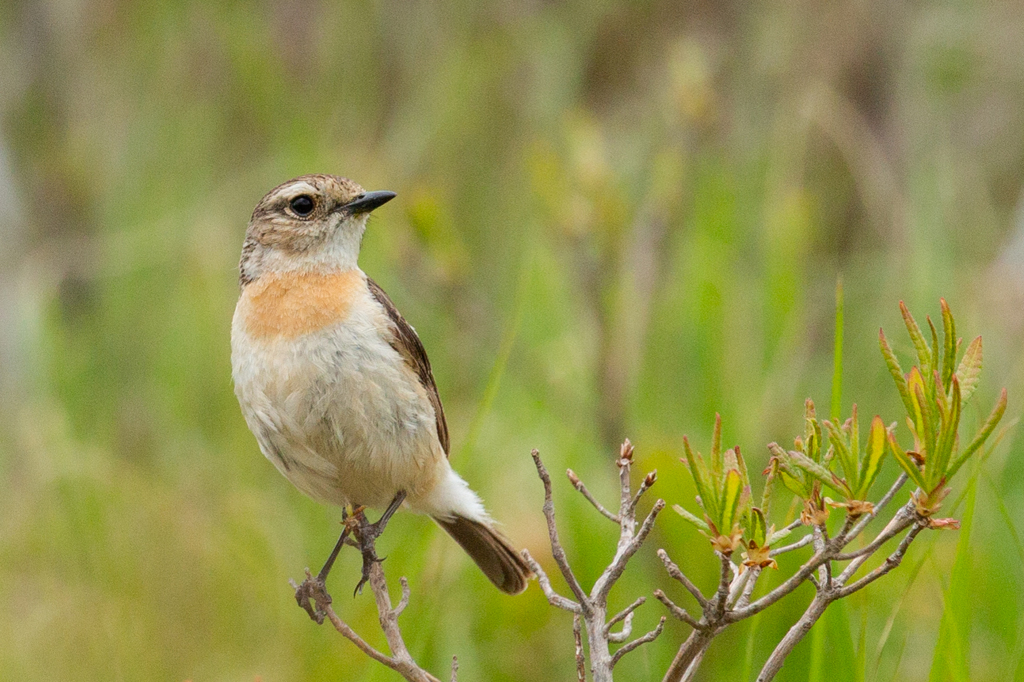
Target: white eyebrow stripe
(299, 188)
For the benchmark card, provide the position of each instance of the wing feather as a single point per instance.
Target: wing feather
(407, 343)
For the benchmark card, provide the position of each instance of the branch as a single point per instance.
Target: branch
(903, 518)
(627, 627)
(802, 542)
(674, 572)
(878, 507)
(581, 664)
(649, 637)
(590, 611)
(556, 546)
(582, 489)
(722, 596)
(832, 591)
(554, 598)
(891, 562)
(678, 612)
(400, 661)
(690, 652)
(626, 551)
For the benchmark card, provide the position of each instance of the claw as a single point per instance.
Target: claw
(312, 591)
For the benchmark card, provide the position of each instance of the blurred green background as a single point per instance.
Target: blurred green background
(613, 219)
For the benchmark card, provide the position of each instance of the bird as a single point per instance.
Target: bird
(335, 384)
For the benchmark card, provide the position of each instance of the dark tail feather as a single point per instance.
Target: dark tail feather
(495, 556)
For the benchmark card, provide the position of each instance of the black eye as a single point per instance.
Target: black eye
(302, 205)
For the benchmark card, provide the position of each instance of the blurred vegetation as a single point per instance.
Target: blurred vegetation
(614, 219)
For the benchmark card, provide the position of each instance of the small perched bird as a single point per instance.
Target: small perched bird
(335, 384)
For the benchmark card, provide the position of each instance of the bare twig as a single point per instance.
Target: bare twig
(581, 663)
(891, 562)
(404, 601)
(649, 637)
(722, 596)
(627, 627)
(689, 653)
(802, 542)
(582, 489)
(867, 518)
(678, 612)
(674, 572)
(903, 518)
(554, 598)
(590, 611)
(400, 661)
(556, 546)
(649, 480)
(748, 589)
(626, 551)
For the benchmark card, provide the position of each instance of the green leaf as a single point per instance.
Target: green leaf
(947, 436)
(716, 447)
(969, 370)
(821, 473)
(758, 527)
(872, 463)
(986, 430)
(708, 498)
(734, 460)
(949, 344)
(732, 492)
(934, 365)
(927, 434)
(894, 369)
(768, 494)
(794, 485)
(924, 355)
(908, 465)
(700, 523)
(846, 458)
(854, 422)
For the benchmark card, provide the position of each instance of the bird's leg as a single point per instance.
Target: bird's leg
(315, 589)
(367, 534)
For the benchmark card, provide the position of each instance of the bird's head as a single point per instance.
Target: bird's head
(311, 222)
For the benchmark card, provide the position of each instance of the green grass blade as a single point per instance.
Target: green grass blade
(837, 355)
(950, 658)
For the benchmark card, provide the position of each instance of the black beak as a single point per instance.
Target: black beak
(367, 201)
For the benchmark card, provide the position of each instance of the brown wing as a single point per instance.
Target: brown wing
(408, 345)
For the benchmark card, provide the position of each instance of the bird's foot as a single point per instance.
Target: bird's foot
(367, 533)
(312, 596)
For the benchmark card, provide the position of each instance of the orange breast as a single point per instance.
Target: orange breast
(291, 304)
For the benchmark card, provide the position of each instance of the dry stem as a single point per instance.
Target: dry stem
(590, 610)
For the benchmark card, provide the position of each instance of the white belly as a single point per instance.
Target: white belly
(338, 412)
